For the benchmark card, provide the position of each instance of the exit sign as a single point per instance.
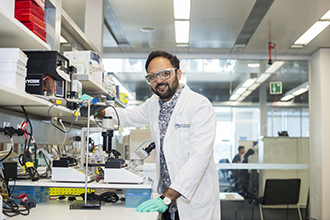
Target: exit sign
(275, 88)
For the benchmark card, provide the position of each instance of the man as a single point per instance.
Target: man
(238, 157)
(237, 173)
(183, 126)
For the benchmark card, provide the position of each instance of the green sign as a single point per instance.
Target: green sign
(275, 88)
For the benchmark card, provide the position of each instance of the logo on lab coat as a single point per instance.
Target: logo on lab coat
(176, 126)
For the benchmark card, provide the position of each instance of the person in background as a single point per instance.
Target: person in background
(236, 174)
(245, 175)
(238, 157)
(183, 127)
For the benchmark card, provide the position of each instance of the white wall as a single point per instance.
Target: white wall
(319, 79)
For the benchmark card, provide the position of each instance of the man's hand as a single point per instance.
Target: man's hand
(152, 205)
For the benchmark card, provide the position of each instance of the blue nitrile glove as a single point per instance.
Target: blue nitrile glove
(152, 205)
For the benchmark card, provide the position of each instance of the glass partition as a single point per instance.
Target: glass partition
(282, 152)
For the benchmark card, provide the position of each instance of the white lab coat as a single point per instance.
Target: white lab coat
(188, 149)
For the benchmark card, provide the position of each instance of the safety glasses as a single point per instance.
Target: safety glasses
(165, 74)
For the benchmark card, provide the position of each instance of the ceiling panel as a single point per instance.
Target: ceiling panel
(214, 29)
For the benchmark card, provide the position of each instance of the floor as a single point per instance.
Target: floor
(233, 210)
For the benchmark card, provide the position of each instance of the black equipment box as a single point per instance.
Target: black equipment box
(10, 170)
(47, 62)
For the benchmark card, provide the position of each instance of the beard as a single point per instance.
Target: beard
(171, 89)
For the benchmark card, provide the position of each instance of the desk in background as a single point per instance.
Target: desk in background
(235, 198)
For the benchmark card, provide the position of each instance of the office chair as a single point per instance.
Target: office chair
(280, 192)
(224, 171)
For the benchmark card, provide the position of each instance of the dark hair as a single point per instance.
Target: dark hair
(161, 53)
(249, 152)
(240, 148)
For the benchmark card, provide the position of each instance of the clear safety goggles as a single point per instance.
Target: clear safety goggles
(165, 74)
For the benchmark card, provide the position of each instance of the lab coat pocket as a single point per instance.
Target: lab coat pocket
(181, 142)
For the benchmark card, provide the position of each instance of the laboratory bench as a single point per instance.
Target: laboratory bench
(92, 184)
(60, 209)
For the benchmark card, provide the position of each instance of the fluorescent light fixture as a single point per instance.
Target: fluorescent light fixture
(326, 16)
(240, 98)
(274, 67)
(233, 97)
(62, 40)
(263, 77)
(297, 46)
(181, 9)
(300, 91)
(253, 64)
(254, 86)
(240, 91)
(240, 45)
(248, 83)
(247, 93)
(312, 32)
(182, 45)
(295, 91)
(182, 32)
(287, 97)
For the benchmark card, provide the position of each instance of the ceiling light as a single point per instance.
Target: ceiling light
(247, 93)
(326, 16)
(274, 67)
(312, 32)
(300, 91)
(295, 91)
(240, 99)
(248, 83)
(287, 97)
(297, 46)
(182, 31)
(147, 29)
(233, 97)
(263, 77)
(182, 45)
(240, 45)
(181, 9)
(254, 86)
(239, 91)
(253, 65)
(62, 40)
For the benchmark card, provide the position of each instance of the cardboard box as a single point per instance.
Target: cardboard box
(12, 66)
(82, 56)
(13, 54)
(12, 74)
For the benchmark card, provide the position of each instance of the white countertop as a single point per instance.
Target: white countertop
(93, 184)
(54, 210)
